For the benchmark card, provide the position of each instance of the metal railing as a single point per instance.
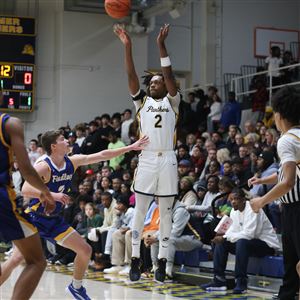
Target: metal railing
(237, 81)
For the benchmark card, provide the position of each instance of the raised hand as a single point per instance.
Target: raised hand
(140, 144)
(119, 30)
(163, 33)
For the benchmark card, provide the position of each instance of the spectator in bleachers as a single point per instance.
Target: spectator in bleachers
(239, 140)
(98, 203)
(202, 109)
(212, 192)
(227, 169)
(116, 125)
(81, 190)
(127, 120)
(273, 62)
(230, 142)
(150, 234)
(187, 196)
(240, 175)
(271, 140)
(183, 152)
(92, 219)
(222, 156)
(187, 116)
(110, 216)
(214, 168)
(88, 188)
(250, 130)
(289, 74)
(80, 133)
(32, 151)
(214, 116)
(223, 205)
(184, 167)
(106, 185)
(79, 218)
(106, 171)
(91, 143)
(245, 157)
(116, 186)
(115, 143)
(253, 157)
(259, 100)
(262, 136)
(97, 181)
(231, 112)
(212, 155)
(268, 120)
(74, 147)
(190, 142)
(121, 238)
(17, 178)
(104, 131)
(267, 166)
(126, 177)
(250, 234)
(197, 159)
(184, 237)
(216, 138)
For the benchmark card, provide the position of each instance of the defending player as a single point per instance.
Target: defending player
(57, 170)
(14, 225)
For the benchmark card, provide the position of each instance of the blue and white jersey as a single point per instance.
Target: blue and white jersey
(60, 182)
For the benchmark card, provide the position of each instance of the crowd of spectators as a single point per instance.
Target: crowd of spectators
(216, 154)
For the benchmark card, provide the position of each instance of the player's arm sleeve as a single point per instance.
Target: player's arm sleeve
(175, 100)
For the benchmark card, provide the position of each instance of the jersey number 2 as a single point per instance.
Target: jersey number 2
(157, 124)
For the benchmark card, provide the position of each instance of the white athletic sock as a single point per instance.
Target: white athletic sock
(142, 203)
(165, 226)
(77, 284)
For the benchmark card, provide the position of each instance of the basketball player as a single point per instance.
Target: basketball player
(156, 173)
(57, 170)
(14, 225)
(286, 107)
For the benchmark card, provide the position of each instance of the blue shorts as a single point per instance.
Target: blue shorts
(14, 223)
(52, 228)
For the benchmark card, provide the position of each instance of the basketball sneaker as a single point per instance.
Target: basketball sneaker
(78, 294)
(215, 285)
(135, 272)
(160, 273)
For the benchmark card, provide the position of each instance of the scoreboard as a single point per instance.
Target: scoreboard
(17, 63)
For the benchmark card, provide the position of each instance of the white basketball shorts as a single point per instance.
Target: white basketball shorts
(156, 174)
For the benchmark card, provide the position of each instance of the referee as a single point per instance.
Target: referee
(286, 107)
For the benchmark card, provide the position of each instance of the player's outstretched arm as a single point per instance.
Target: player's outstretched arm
(133, 81)
(15, 131)
(165, 61)
(82, 160)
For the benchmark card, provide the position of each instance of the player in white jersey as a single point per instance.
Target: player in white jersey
(286, 107)
(156, 173)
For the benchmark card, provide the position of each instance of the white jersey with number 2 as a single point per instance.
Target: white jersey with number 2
(157, 119)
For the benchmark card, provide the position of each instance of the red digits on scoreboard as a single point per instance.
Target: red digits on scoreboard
(27, 78)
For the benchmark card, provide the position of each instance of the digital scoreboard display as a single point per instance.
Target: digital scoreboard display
(17, 68)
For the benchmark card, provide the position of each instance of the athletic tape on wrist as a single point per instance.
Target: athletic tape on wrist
(165, 61)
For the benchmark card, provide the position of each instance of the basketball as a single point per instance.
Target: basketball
(117, 9)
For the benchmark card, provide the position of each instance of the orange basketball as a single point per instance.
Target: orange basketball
(117, 9)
